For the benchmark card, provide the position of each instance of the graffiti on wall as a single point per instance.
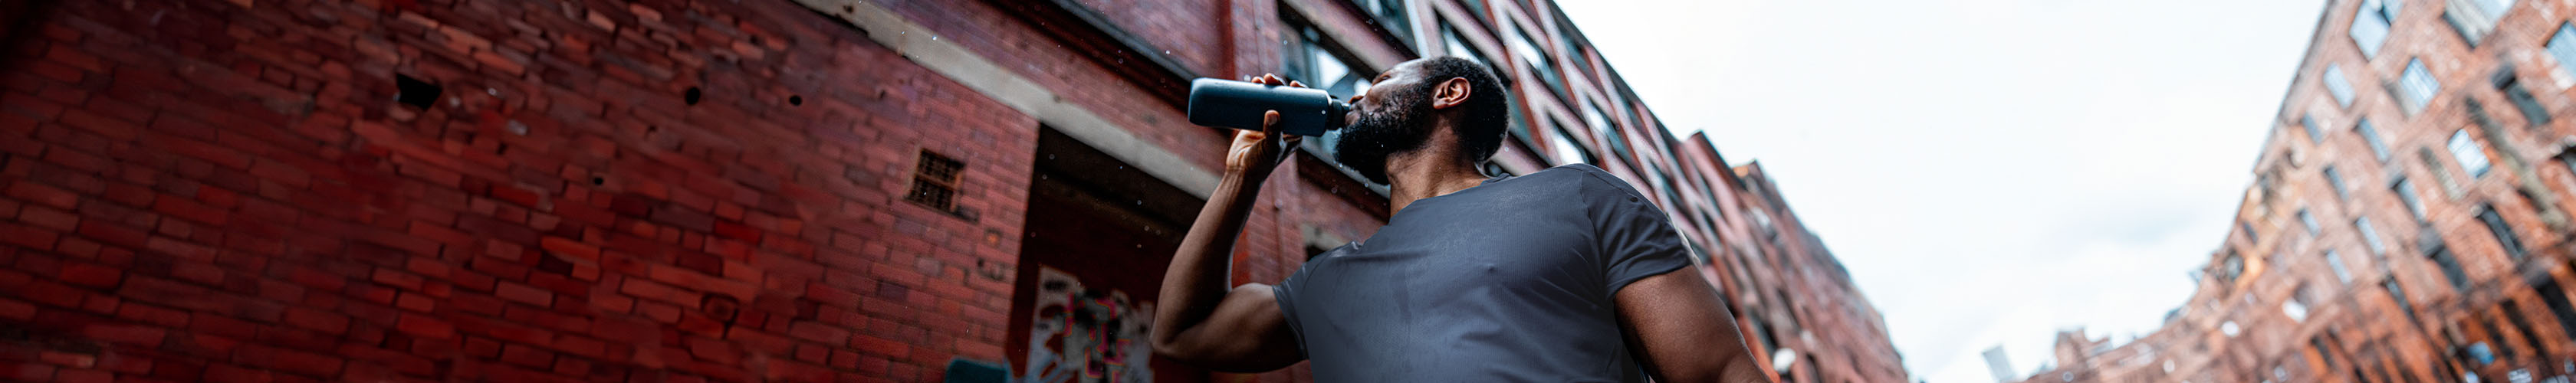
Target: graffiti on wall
(1087, 335)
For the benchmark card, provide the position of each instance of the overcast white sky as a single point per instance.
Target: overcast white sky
(1991, 171)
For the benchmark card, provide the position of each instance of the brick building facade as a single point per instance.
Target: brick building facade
(753, 190)
(2409, 219)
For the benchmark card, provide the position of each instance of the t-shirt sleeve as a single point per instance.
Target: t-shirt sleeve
(1285, 293)
(1637, 240)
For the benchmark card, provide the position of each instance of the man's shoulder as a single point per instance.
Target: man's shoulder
(1595, 182)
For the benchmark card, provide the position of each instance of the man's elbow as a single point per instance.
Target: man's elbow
(1165, 345)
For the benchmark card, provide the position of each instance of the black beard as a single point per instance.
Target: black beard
(1366, 144)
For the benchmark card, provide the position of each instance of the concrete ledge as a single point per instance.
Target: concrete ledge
(959, 64)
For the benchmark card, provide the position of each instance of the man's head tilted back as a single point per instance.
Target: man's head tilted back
(1413, 104)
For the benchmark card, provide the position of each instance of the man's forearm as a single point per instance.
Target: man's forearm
(1197, 279)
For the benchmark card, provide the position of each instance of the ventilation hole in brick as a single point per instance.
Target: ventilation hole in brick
(795, 100)
(934, 181)
(594, 181)
(691, 96)
(554, 264)
(504, 149)
(719, 307)
(414, 92)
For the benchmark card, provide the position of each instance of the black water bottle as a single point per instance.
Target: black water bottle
(1236, 104)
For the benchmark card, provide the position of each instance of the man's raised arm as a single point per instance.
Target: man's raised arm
(1675, 323)
(1202, 321)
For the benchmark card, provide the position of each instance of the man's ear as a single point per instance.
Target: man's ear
(1450, 93)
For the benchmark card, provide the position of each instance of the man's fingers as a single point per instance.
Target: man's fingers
(1296, 84)
(1269, 121)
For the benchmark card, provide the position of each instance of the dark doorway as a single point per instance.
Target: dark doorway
(1092, 256)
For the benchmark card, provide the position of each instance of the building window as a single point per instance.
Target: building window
(1540, 64)
(2477, 19)
(1563, 148)
(2503, 233)
(2339, 85)
(1457, 46)
(2229, 328)
(2398, 294)
(2521, 324)
(1394, 15)
(2232, 267)
(1312, 61)
(2417, 86)
(2559, 307)
(2248, 228)
(2295, 310)
(1579, 51)
(2406, 193)
(2563, 47)
(934, 181)
(1601, 127)
(2472, 158)
(2309, 220)
(2369, 236)
(2441, 256)
(2533, 115)
(2318, 345)
(2309, 122)
(2370, 135)
(2335, 261)
(2370, 24)
(2334, 180)
(2432, 164)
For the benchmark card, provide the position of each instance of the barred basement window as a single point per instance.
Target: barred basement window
(934, 182)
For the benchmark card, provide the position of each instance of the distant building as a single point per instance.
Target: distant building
(1999, 365)
(2409, 216)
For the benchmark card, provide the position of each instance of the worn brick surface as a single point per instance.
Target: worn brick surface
(226, 191)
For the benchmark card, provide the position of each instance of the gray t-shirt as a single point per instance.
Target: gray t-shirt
(1509, 281)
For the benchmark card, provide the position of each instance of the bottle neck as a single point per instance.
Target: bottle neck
(1336, 112)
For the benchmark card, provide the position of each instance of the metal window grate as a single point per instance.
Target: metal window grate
(934, 181)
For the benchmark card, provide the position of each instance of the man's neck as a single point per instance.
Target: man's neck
(1427, 173)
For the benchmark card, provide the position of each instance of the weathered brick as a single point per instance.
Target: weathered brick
(43, 195)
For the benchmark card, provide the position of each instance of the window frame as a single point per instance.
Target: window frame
(2370, 235)
(2370, 135)
(2334, 180)
(2379, 20)
(2462, 146)
(2334, 261)
(2502, 230)
(2338, 85)
(2562, 48)
(2404, 188)
(2417, 87)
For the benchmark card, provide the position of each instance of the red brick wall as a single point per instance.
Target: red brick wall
(225, 191)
